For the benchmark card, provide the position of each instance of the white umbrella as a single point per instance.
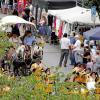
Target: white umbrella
(12, 19)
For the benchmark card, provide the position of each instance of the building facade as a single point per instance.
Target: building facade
(40, 5)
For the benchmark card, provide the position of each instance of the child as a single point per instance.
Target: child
(89, 64)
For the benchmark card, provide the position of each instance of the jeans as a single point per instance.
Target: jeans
(72, 58)
(64, 56)
(78, 58)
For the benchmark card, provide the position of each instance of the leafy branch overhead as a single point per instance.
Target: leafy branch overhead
(96, 3)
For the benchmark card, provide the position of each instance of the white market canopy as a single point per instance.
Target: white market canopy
(12, 19)
(75, 14)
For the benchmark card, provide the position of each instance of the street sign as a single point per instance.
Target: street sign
(93, 10)
(93, 13)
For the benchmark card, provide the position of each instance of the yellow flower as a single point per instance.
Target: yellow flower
(49, 88)
(2, 69)
(51, 75)
(38, 78)
(97, 96)
(97, 90)
(1, 75)
(84, 92)
(63, 90)
(76, 92)
(40, 86)
(43, 98)
(11, 77)
(38, 72)
(6, 88)
(33, 66)
(98, 80)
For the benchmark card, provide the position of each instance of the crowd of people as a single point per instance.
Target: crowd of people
(84, 55)
(27, 43)
(7, 6)
(80, 51)
(25, 33)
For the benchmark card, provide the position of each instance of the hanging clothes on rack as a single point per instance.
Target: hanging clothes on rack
(54, 24)
(60, 30)
(66, 28)
(58, 23)
(50, 20)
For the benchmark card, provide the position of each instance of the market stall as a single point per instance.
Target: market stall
(11, 19)
(75, 14)
(93, 34)
(71, 17)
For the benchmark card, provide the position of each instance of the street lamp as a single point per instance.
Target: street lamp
(36, 8)
(35, 3)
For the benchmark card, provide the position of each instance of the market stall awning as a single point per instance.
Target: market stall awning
(93, 34)
(75, 14)
(12, 19)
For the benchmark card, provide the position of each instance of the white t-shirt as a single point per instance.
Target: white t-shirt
(93, 54)
(65, 43)
(85, 43)
(91, 42)
(77, 45)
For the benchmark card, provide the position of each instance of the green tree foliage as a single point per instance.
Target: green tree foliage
(96, 3)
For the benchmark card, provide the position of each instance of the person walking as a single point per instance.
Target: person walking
(65, 46)
(75, 49)
(72, 41)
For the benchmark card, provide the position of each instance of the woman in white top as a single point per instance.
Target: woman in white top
(75, 49)
(77, 44)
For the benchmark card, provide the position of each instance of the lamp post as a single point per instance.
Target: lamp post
(36, 8)
(76, 2)
(35, 4)
(93, 14)
(36, 15)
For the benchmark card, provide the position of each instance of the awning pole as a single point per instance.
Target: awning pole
(94, 23)
(76, 2)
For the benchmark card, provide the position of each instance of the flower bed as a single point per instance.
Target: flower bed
(29, 88)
